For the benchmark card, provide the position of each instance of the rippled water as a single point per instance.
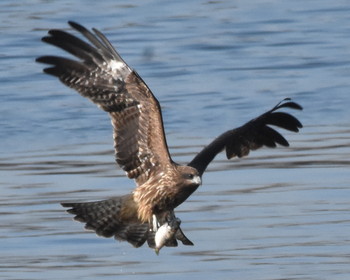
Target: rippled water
(277, 214)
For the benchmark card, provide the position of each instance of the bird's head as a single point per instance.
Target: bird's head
(190, 176)
(187, 182)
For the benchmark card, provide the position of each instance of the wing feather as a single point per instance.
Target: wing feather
(101, 75)
(251, 136)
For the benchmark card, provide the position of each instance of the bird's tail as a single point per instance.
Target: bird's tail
(118, 217)
(112, 217)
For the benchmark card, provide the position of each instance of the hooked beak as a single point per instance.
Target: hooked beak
(197, 180)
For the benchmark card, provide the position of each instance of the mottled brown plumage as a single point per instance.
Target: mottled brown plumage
(101, 75)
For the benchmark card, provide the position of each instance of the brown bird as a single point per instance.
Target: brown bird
(146, 214)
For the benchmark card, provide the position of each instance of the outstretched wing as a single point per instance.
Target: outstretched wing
(101, 75)
(251, 136)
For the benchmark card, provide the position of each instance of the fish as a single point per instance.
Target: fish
(166, 233)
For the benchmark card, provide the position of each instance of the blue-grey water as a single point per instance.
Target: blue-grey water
(277, 214)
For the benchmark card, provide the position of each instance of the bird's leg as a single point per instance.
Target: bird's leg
(155, 223)
(166, 233)
(171, 218)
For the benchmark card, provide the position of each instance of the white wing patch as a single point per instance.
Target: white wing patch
(116, 65)
(120, 68)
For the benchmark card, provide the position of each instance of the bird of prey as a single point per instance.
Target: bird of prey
(147, 213)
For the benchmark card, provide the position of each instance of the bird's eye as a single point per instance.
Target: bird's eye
(189, 176)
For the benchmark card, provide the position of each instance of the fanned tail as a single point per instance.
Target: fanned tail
(118, 217)
(112, 217)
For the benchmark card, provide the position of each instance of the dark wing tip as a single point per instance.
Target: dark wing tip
(293, 105)
(47, 59)
(40, 59)
(76, 25)
(252, 135)
(287, 103)
(283, 120)
(72, 22)
(45, 39)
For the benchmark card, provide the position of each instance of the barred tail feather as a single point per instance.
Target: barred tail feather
(111, 217)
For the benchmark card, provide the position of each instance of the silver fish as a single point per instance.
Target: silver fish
(165, 233)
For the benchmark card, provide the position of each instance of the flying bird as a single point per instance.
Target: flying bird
(147, 213)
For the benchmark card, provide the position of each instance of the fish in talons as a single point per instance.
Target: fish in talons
(165, 233)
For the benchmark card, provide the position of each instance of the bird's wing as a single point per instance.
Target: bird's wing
(251, 136)
(101, 75)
